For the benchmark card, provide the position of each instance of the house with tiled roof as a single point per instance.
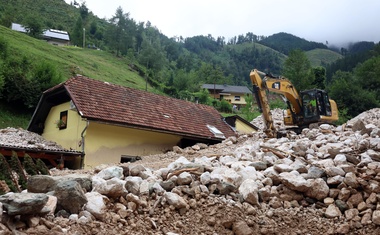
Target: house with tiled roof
(109, 122)
(233, 94)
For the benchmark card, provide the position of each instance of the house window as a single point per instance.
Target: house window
(62, 124)
(237, 98)
(217, 133)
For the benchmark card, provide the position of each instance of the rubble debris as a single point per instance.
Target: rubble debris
(325, 180)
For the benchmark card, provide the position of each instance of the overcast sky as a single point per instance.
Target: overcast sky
(335, 21)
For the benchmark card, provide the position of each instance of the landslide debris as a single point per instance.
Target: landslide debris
(324, 181)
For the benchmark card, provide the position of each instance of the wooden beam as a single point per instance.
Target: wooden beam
(49, 156)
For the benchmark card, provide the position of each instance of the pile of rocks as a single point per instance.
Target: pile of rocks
(25, 139)
(325, 180)
(277, 116)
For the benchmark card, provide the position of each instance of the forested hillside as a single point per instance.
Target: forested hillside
(285, 43)
(174, 66)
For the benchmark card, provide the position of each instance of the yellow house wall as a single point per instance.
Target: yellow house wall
(241, 127)
(69, 137)
(106, 143)
(232, 98)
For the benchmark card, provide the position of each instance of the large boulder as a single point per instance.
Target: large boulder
(23, 203)
(47, 183)
(70, 196)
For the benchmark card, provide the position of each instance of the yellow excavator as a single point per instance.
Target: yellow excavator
(305, 108)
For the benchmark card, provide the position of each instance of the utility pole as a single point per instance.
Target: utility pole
(214, 88)
(146, 76)
(84, 36)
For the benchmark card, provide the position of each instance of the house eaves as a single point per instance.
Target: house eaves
(232, 119)
(144, 128)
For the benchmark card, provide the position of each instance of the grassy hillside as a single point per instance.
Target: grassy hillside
(318, 57)
(92, 63)
(95, 64)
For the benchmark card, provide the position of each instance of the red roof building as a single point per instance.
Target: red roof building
(86, 101)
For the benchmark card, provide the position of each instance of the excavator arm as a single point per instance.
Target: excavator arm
(262, 83)
(260, 90)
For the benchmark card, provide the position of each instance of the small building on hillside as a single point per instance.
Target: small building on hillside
(233, 94)
(56, 37)
(52, 36)
(109, 122)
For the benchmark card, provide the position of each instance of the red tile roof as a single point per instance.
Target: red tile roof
(102, 101)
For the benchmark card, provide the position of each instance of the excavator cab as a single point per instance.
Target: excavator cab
(315, 103)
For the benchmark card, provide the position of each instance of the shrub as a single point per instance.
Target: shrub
(225, 106)
(3, 48)
(277, 103)
(16, 167)
(29, 165)
(6, 174)
(41, 167)
(24, 81)
(203, 97)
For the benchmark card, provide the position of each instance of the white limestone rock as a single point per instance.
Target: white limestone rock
(205, 178)
(96, 204)
(318, 190)
(332, 211)
(132, 184)
(178, 163)
(112, 188)
(249, 190)
(50, 205)
(111, 172)
(184, 178)
(175, 200)
(334, 171)
(351, 180)
(340, 159)
(282, 168)
(376, 217)
(295, 182)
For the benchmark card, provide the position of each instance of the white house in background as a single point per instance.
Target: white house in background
(52, 36)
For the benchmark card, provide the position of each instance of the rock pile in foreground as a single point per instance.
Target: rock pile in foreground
(323, 181)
